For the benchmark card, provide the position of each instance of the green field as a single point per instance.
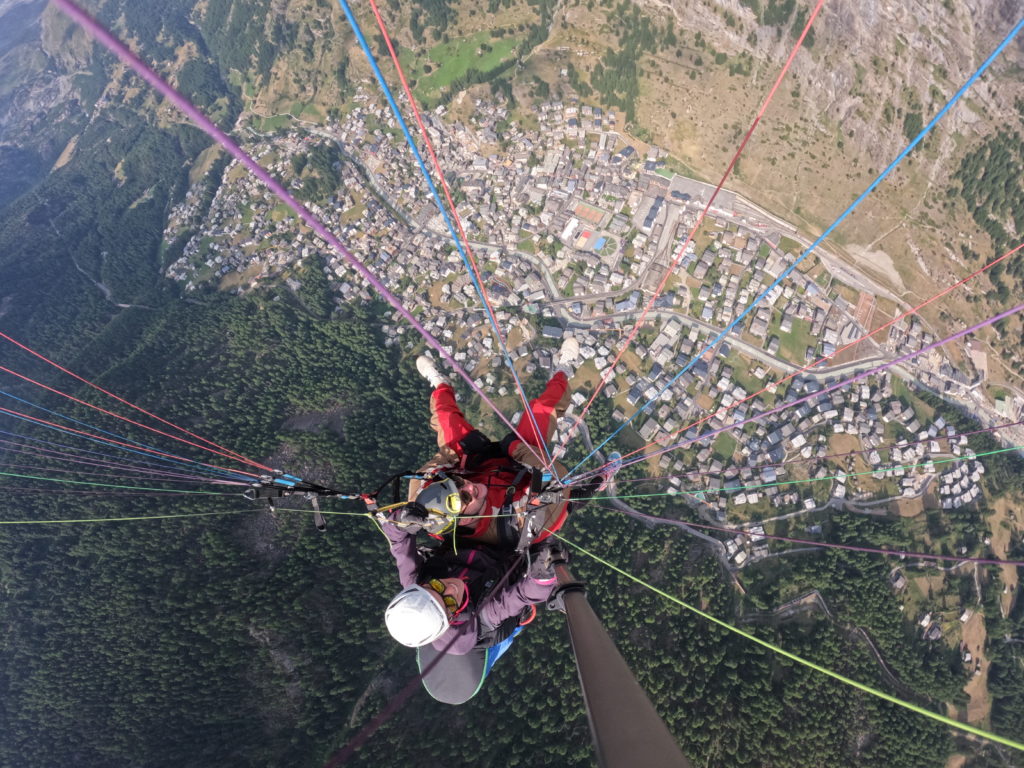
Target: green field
(792, 346)
(353, 214)
(302, 111)
(998, 393)
(724, 446)
(268, 124)
(742, 374)
(787, 245)
(450, 61)
(675, 165)
(280, 212)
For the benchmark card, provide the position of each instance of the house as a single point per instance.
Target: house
(897, 579)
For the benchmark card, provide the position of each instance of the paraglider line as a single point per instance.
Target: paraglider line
(460, 239)
(119, 49)
(915, 310)
(233, 454)
(822, 544)
(106, 474)
(834, 387)
(758, 467)
(842, 217)
(227, 455)
(128, 463)
(123, 446)
(702, 493)
(799, 659)
(130, 444)
(121, 519)
(108, 485)
(62, 491)
(71, 458)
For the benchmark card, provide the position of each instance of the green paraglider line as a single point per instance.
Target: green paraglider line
(799, 659)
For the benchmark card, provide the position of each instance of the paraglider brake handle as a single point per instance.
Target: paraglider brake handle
(264, 492)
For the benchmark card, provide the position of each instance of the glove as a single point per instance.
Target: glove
(542, 568)
(411, 518)
(476, 442)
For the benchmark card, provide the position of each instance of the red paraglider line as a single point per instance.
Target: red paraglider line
(807, 367)
(225, 451)
(80, 473)
(102, 35)
(69, 458)
(839, 385)
(700, 219)
(458, 223)
(228, 455)
(117, 442)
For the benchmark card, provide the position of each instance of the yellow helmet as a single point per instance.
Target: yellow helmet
(443, 504)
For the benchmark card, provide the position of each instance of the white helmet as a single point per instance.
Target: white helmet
(414, 617)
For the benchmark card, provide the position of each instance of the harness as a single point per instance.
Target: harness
(517, 522)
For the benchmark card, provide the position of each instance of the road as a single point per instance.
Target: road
(751, 350)
(829, 505)
(558, 304)
(716, 546)
(107, 293)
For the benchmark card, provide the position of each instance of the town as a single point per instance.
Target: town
(575, 227)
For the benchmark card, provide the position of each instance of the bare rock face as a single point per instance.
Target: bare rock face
(33, 106)
(913, 55)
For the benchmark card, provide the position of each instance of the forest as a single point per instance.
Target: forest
(987, 184)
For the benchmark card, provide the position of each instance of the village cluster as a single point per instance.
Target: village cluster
(574, 230)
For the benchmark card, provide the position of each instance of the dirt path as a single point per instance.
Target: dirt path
(107, 293)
